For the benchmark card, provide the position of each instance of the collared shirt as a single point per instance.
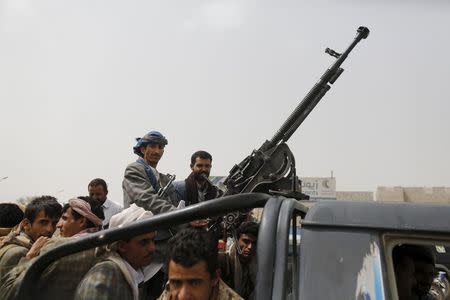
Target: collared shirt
(136, 275)
(110, 208)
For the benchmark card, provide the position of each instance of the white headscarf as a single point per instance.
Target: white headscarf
(129, 215)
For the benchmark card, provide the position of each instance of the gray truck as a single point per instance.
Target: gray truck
(345, 250)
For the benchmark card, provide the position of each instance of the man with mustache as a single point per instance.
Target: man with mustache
(142, 180)
(193, 268)
(80, 216)
(127, 264)
(196, 187)
(141, 184)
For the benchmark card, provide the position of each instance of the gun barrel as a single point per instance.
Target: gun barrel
(315, 94)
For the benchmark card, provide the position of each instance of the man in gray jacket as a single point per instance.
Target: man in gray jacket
(142, 181)
(140, 185)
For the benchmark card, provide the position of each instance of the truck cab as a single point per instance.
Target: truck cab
(344, 250)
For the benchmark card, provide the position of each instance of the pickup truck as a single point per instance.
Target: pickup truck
(345, 249)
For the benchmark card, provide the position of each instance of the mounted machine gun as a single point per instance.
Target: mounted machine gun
(271, 168)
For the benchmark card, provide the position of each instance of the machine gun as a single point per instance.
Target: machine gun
(271, 168)
(162, 190)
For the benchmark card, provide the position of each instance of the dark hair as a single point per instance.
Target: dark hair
(201, 154)
(98, 181)
(96, 209)
(10, 215)
(192, 245)
(420, 253)
(249, 228)
(398, 253)
(49, 204)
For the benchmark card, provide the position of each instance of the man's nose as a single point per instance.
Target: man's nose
(51, 228)
(151, 247)
(59, 224)
(250, 246)
(184, 293)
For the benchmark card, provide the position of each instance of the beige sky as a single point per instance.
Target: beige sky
(79, 80)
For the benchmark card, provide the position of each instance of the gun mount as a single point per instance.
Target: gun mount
(271, 168)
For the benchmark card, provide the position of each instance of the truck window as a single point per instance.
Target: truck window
(340, 264)
(420, 270)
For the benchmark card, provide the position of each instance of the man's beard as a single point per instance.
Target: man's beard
(200, 176)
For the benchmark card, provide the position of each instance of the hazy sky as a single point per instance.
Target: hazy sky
(79, 80)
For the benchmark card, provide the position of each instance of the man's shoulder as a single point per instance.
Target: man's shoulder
(135, 165)
(179, 184)
(113, 205)
(107, 265)
(104, 269)
(12, 252)
(226, 293)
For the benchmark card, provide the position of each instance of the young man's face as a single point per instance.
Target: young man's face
(69, 226)
(152, 153)
(194, 283)
(201, 166)
(43, 225)
(138, 250)
(247, 244)
(98, 193)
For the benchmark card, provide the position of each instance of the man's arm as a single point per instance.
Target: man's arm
(137, 189)
(11, 258)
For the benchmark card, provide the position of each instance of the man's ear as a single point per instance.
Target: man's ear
(83, 222)
(192, 167)
(26, 225)
(142, 149)
(121, 246)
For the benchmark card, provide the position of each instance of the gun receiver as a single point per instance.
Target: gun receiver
(162, 191)
(264, 169)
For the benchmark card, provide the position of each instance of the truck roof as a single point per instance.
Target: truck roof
(379, 215)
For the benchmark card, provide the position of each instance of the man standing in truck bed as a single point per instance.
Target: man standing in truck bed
(142, 181)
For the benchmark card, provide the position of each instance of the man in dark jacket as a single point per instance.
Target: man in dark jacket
(196, 187)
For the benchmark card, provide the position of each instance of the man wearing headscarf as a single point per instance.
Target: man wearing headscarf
(80, 216)
(128, 263)
(142, 181)
(141, 184)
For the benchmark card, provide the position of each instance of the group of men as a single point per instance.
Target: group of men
(179, 263)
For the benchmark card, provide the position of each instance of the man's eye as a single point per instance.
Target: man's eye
(175, 284)
(196, 282)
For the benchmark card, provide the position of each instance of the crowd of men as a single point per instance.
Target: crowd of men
(182, 262)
